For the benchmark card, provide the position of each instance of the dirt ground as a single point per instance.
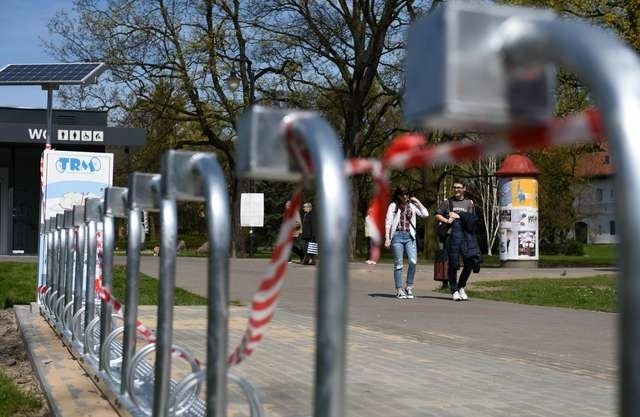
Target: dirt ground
(15, 362)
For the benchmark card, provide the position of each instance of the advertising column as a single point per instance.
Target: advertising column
(518, 184)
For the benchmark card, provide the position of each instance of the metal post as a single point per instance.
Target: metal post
(506, 40)
(62, 260)
(92, 214)
(612, 71)
(195, 177)
(68, 227)
(265, 155)
(81, 256)
(55, 265)
(114, 204)
(143, 194)
(47, 249)
(333, 198)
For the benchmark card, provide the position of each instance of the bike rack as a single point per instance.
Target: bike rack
(47, 242)
(115, 199)
(188, 176)
(83, 315)
(80, 273)
(264, 139)
(143, 194)
(66, 300)
(517, 44)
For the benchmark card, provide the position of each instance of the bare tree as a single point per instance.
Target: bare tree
(190, 47)
(349, 55)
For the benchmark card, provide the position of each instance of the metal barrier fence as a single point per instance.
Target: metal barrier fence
(513, 50)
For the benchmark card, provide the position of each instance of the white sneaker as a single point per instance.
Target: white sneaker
(463, 294)
(455, 296)
(409, 291)
(400, 293)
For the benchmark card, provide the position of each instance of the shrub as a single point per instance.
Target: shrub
(549, 248)
(573, 247)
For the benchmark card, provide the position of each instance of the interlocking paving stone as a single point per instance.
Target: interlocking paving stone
(394, 375)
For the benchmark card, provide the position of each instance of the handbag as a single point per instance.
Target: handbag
(312, 248)
(440, 266)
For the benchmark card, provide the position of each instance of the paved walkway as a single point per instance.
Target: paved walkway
(423, 357)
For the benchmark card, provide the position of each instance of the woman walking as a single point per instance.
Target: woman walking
(400, 236)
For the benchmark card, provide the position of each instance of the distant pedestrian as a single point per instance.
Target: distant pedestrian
(460, 239)
(368, 237)
(309, 235)
(400, 236)
(296, 248)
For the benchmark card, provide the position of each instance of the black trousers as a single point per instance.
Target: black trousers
(454, 283)
(297, 248)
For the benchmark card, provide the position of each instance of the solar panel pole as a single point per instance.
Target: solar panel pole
(50, 88)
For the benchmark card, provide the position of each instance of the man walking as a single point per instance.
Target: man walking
(458, 212)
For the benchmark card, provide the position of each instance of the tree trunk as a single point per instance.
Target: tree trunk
(355, 214)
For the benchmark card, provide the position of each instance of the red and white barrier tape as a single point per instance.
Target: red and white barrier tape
(407, 151)
(264, 302)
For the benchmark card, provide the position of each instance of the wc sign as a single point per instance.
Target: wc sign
(71, 177)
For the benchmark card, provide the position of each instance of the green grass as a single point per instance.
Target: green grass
(594, 255)
(17, 283)
(596, 293)
(13, 401)
(18, 286)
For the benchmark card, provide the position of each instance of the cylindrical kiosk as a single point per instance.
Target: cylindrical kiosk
(518, 185)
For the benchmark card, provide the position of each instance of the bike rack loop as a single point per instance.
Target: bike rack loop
(48, 241)
(66, 266)
(263, 154)
(81, 256)
(61, 261)
(194, 177)
(92, 215)
(143, 194)
(526, 39)
(114, 206)
(55, 251)
(51, 278)
(68, 226)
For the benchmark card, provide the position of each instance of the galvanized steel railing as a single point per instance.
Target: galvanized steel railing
(270, 143)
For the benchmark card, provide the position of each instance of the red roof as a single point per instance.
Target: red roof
(596, 164)
(517, 165)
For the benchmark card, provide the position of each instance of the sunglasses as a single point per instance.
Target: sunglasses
(458, 188)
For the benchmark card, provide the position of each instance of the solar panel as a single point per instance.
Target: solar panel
(38, 74)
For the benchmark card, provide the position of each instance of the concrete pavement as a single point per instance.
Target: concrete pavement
(424, 357)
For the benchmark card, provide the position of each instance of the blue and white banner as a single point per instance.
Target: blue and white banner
(71, 177)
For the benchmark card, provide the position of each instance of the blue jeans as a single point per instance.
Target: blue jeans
(401, 242)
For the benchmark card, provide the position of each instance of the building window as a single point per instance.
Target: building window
(612, 193)
(612, 227)
(598, 194)
(599, 229)
(607, 159)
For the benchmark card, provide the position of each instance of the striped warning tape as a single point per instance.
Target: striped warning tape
(406, 151)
